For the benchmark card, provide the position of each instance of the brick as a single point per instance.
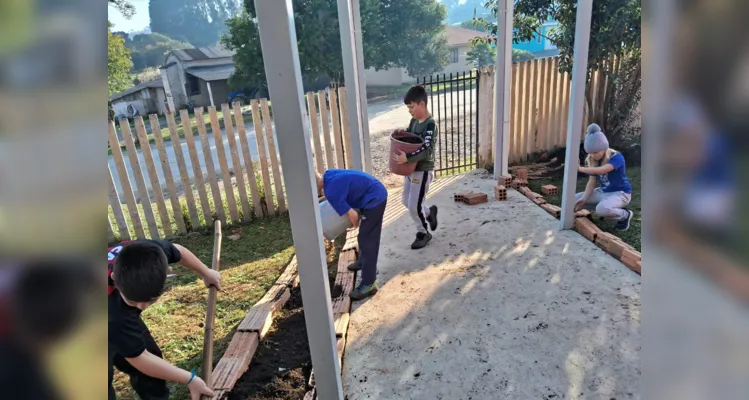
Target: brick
(476, 198)
(634, 265)
(610, 243)
(522, 173)
(505, 180)
(500, 192)
(582, 214)
(632, 254)
(235, 361)
(461, 196)
(539, 200)
(587, 228)
(518, 183)
(526, 191)
(341, 324)
(549, 190)
(552, 209)
(260, 317)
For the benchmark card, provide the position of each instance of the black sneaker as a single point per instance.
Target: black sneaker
(432, 219)
(623, 224)
(421, 241)
(362, 292)
(354, 266)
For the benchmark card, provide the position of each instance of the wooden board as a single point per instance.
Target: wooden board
(315, 132)
(197, 171)
(341, 304)
(345, 127)
(236, 163)
(525, 88)
(140, 180)
(325, 122)
(263, 155)
(235, 360)
(341, 324)
(274, 159)
(119, 216)
(260, 316)
(186, 184)
(533, 110)
(218, 140)
(514, 152)
(341, 347)
(290, 276)
(167, 170)
(119, 161)
(335, 118)
(158, 194)
(209, 166)
(248, 163)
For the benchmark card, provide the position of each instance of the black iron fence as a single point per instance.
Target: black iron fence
(453, 103)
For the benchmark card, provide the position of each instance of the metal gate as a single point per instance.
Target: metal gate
(453, 103)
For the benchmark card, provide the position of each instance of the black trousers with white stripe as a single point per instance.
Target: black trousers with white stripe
(415, 189)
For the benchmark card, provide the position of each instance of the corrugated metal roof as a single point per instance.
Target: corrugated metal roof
(156, 83)
(202, 53)
(217, 73)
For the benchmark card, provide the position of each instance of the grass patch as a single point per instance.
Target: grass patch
(631, 236)
(250, 265)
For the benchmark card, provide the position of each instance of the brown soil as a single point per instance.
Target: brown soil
(281, 366)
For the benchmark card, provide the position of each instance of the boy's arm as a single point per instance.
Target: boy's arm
(192, 262)
(156, 367)
(422, 151)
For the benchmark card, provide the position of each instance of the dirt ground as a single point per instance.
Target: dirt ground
(501, 304)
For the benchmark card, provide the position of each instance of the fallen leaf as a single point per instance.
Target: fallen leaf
(262, 228)
(234, 237)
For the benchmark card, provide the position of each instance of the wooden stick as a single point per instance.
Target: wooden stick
(211, 310)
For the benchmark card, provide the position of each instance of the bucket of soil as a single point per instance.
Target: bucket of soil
(407, 143)
(332, 224)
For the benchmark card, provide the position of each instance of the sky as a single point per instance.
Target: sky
(139, 21)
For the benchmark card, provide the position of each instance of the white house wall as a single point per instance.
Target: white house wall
(385, 77)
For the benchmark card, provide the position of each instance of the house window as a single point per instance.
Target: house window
(193, 85)
(455, 55)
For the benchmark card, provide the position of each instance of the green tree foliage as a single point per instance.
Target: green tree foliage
(481, 54)
(615, 36)
(395, 33)
(198, 22)
(123, 6)
(149, 50)
(118, 63)
(521, 55)
(471, 24)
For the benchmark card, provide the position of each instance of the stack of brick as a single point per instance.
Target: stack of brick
(500, 192)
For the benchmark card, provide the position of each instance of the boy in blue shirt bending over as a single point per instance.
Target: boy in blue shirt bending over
(347, 191)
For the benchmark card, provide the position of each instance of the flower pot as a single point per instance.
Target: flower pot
(333, 225)
(407, 143)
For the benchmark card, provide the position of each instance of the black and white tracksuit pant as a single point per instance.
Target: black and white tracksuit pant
(415, 189)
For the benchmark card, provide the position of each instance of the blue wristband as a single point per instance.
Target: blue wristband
(191, 377)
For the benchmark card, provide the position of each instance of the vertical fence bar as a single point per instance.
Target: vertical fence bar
(465, 130)
(551, 134)
(140, 180)
(145, 148)
(336, 121)
(248, 163)
(444, 118)
(325, 120)
(210, 166)
(277, 178)
(475, 136)
(185, 178)
(345, 128)
(452, 122)
(526, 105)
(218, 141)
(236, 163)
(166, 168)
(438, 122)
(315, 132)
(127, 190)
(262, 153)
(197, 172)
(533, 110)
(119, 216)
(543, 105)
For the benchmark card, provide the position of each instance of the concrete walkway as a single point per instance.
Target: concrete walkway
(500, 305)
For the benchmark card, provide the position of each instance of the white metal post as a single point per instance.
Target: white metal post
(350, 74)
(502, 88)
(210, 93)
(577, 104)
(281, 58)
(362, 87)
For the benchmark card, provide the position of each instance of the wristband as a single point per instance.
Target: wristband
(191, 377)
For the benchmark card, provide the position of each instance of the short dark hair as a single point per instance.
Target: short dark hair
(416, 94)
(139, 271)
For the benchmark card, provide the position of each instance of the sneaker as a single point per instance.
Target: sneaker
(421, 240)
(623, 224)
(432, 219)
(354, 266)
(362, 292)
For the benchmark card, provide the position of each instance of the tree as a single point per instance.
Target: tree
(118, 63)
(521, 55)
(389, 35)
(123, 6)
(471, 24)
(198, 22)
(481, 54)
(615, 36)
(149, 50)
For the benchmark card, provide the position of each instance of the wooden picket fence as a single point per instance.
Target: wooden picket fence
(210, 193)
(539, 104)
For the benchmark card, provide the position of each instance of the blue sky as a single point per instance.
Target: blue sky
(137, 22)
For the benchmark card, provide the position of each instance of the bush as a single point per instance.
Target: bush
(521, 55)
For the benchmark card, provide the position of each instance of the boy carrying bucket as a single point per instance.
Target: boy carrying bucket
(347, 191)
(416, 185)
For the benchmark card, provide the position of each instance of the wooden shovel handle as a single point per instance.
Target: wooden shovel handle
(211, 309)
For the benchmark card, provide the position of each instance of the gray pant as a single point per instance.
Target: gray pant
(607, 205)
(415, 189)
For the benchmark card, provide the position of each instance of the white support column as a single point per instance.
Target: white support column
(210, 92)
(281, 58)
(577, 104)
(502, 88)
(350, 74)
(362, 87)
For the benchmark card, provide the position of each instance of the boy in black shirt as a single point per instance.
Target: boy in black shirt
(137, 273)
